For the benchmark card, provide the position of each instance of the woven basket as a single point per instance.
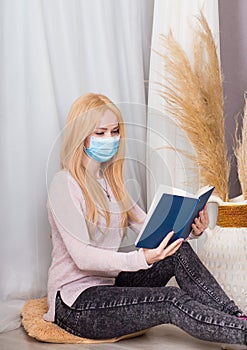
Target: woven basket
(232, 215)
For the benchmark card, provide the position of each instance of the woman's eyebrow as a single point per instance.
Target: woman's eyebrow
(103, 128)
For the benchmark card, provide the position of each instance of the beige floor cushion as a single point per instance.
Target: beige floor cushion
(36, 327)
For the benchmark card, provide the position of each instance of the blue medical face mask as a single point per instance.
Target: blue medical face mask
(102, 149)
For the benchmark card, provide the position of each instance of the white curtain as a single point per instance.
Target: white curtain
(165, 164)
(51, 53)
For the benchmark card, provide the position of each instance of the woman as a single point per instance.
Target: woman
(95, 291)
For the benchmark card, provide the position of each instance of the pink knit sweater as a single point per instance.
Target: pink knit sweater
(79, 259)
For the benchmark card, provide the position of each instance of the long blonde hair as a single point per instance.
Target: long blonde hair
(81, 122)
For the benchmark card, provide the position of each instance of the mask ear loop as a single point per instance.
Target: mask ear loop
(89, 136)
(85, 150)
(84, 147)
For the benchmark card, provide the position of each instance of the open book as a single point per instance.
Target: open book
(171, 210)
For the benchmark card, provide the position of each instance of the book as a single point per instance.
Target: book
(172, 209)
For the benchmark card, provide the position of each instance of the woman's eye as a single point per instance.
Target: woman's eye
(102, 133)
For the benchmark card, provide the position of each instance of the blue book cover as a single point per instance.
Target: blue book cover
(172, 210)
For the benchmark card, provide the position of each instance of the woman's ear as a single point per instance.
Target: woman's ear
(87, 142)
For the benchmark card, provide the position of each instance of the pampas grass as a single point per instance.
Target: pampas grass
(241, 153)
(193, 97)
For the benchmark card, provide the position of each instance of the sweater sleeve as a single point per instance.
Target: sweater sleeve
(64, 204)
(192, 236)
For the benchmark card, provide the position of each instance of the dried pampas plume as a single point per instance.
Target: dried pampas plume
(241, 153)
(193, 96)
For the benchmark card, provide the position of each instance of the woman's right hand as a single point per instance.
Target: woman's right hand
(162, 251)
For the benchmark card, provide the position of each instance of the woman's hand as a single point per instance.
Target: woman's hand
(200, 223)
(162, 251)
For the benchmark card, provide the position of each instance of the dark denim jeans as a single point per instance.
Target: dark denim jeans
(140, 300)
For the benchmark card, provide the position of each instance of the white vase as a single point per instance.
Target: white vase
(225, 251)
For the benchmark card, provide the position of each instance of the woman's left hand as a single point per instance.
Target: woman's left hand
(201, 223)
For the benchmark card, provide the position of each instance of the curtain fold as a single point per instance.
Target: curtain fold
(165, 163)
(51, 53)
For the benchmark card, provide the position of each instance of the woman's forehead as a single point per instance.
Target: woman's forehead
(108, 119)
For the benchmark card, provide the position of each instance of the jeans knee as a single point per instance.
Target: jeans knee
(185, 248)
(177, 295)
(187, 255)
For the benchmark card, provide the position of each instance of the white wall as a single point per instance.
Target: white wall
(233, 47)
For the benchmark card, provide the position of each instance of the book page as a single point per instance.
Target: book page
(203, 190)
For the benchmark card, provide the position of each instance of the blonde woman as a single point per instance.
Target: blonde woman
(95, 291)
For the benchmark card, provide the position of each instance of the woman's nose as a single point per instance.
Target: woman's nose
(108, 133)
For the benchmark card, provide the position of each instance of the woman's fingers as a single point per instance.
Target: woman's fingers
(165, 241)
(201, 223)
(159, 253)
(196, 229)
(204, 217)
(173, 247)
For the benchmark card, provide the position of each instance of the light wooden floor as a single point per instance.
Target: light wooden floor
(165, 337)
